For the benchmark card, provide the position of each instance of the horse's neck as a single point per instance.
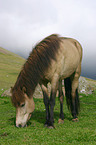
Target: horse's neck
(30, 87)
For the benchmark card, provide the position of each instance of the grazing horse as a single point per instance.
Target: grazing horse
(52, 60)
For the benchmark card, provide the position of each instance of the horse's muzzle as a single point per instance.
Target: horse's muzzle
(20, 126)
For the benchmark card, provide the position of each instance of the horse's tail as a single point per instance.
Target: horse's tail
(74, 107)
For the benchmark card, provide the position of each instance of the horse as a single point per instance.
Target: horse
(52, 60)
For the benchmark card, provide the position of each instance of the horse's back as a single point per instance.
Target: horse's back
(72, 43)
(68, 58)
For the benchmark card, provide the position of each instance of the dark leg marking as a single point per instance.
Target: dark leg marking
(72, 99)
(61, 98)
(46, 102)
(52, 104)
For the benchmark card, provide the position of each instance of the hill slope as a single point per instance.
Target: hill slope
(10, 65)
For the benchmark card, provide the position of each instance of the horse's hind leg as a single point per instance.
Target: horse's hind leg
(61, 98)
(75, 95)
(72, 97)
(68, 90)
(75, 99)
(46, 102)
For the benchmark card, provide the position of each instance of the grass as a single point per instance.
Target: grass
(10, 65)
(79, 133)
(74, 133)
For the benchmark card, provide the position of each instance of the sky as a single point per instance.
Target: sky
(23, 23)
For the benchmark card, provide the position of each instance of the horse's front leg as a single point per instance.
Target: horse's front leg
(52, 104)
(46, 102)
(54, 86)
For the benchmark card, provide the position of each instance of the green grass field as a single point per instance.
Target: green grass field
(75, 133)
(69, 133)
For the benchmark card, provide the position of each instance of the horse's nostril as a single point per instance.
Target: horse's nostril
(19, 125)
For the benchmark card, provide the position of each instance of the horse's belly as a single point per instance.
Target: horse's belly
(66, 73)
(63, 69)
(69, 67)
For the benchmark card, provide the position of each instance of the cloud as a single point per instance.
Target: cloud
(36, 19)
(23, 23)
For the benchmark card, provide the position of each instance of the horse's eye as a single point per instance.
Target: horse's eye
(22, 105)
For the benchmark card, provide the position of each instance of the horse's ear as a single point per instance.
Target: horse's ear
(24, 89)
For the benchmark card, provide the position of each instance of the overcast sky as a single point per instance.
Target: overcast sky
(23, 23)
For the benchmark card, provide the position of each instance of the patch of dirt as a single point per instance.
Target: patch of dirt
(4, 134)
(6, 93)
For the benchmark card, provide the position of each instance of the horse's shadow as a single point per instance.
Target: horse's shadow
(12, 121)
(39, 116)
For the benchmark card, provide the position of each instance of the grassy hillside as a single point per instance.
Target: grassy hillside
(10, 65)
(74, 133)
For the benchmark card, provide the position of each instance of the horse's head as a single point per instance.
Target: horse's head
(24, 106)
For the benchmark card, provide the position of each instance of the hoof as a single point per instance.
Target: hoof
(45, 125)
(60, 121)
(51, 127)
(75, 120)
